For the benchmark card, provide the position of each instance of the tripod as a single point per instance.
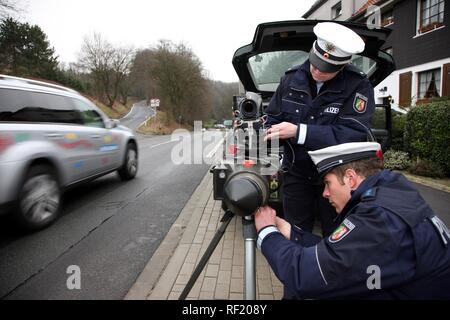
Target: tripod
(250, 256)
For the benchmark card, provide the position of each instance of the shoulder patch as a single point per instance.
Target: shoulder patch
(344, 230)
(369, 195)
(360, 103)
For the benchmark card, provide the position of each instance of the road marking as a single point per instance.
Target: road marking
(160, 144)
(148, 119)
(132, 108)
(213, 152)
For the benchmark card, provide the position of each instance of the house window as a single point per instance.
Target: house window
(429, 84)
(431, 14)
(336, 10)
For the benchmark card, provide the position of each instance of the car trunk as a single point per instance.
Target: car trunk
(289, 36)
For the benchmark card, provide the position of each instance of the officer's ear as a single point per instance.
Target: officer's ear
(352, 179)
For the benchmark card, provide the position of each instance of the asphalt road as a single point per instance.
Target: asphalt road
(109, 229)
(438, 200)
(138, 114)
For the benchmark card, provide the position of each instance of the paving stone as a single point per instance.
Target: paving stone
(237, 286)
(209, 284)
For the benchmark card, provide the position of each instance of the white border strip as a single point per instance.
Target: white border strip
(320, 269)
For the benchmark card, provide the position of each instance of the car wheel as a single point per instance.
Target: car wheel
(39, 200)
(130, 166)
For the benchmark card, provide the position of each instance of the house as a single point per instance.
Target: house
(419, 43)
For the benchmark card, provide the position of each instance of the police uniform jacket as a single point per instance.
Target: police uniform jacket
(390, 245)
(339, 113)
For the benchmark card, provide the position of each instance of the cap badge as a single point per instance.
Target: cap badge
(360, 104)
(329, 47)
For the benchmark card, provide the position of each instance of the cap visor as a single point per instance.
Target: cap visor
(322, 65)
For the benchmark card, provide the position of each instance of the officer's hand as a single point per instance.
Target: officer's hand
(284, 227)
(283, 131)
(265, 217)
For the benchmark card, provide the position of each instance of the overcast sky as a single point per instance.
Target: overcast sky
(213, 29)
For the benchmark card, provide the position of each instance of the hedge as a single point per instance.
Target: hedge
(427, 133)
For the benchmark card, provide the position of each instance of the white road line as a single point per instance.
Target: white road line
(134, 105)
(160, 144)
(148, 119)
(213, 152)
(142, 124)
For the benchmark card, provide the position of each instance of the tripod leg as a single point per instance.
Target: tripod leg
(209, 251)
(250, 258)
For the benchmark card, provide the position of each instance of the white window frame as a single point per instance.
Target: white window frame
(418, 81)
(334, 13)
(438, 26)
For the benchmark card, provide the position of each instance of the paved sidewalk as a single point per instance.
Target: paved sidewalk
(170, 268)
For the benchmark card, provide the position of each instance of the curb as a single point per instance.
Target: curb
(425, 182)
(146, 282)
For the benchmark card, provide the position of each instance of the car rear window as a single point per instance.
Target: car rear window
(36, 107)
(268, 68)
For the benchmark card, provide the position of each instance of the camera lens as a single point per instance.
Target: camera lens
(249, 109)
(245, 192)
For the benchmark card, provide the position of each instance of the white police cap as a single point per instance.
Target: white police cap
(332, 157)
(335, 46)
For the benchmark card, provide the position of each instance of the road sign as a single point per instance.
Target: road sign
(155, 103)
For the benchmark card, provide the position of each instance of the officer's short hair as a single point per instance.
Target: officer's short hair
(364, 168)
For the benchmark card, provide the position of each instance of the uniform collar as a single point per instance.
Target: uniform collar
(365, 186)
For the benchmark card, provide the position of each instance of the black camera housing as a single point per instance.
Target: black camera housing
(248, 157)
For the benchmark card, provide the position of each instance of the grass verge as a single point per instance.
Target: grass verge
(161, 124)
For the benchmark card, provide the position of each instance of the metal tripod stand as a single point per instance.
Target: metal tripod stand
(250, 256)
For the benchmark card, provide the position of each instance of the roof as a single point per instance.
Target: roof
(313, 8)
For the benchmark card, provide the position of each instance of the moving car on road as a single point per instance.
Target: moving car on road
(52, 138)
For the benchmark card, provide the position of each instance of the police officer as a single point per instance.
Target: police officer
(324, 102)
(389, 245)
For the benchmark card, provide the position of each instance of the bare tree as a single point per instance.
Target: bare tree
(174, 74)
(7, 7)
(178, 72)
(109, 66)
(140, 74)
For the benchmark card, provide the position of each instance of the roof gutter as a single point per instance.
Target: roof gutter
(314, 7)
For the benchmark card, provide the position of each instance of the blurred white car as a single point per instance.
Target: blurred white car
(52, 138)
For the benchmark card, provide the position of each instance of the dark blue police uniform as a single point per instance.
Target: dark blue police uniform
(340, 113)
(387, 228)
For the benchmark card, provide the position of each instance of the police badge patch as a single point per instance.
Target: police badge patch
(360, 104)
(344, 230)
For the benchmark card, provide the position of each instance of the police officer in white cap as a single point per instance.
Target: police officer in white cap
(389, 244)
(324, 102)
